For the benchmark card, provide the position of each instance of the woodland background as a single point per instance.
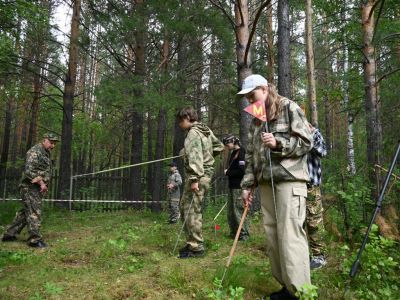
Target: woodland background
(111, 85)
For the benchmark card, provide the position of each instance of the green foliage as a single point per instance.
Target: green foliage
(52, 289)
(17, 257)
(36, 296)
(378, 274)
(120, 243)
(134, 264)
(353, 201)
(307, 292)
(219, 293)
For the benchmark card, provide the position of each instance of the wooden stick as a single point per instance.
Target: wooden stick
(246, 209)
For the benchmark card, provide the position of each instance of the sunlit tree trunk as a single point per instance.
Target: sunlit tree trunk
(270, 47)
(371, 96)
(347, 108)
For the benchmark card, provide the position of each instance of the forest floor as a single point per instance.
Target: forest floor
(128, 255)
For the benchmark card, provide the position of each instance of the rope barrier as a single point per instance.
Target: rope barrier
(101, 201)
(128, 166)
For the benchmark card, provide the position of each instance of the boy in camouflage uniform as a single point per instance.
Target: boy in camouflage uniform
(34, 184)
(289, 140)
(174, 193)
(201, 146)
(314, 220)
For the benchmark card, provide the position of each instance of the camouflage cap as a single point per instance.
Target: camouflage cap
(51, 137)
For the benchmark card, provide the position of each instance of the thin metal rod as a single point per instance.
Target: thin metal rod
(220, 211)
(356, 263)
(270, 172)
(70, 192)
(183, 225)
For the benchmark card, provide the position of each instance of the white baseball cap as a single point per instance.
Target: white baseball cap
(251, 82)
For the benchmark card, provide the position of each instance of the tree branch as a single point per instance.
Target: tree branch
(258, 14)
(219, 6)
(387, 75)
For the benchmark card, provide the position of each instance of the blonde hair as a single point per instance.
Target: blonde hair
(274, 102)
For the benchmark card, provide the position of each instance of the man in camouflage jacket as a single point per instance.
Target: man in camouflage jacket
(174, 193)
(34, 183)
(200, 147)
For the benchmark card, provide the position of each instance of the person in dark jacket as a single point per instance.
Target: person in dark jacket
(235, 172)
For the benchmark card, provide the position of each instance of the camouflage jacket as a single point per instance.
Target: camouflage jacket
(37, 164)
(201, 146)
(289, 159)
(175, 179)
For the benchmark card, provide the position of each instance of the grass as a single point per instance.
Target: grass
(127, 255)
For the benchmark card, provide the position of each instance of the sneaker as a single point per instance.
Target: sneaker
(243, 237)
(37, 244)
(317, 262)
(191, 253)
(8, 238)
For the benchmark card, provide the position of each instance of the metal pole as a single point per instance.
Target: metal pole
(356, 263)
(5, 188)
(70, 192)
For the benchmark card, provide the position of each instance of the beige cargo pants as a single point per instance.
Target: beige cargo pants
(286, 238)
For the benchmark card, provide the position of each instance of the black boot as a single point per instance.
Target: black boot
(8, 238)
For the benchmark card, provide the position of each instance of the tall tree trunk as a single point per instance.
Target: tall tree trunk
(161, 129)
(270, 47)
(68, 104)
(325, 84)
(284, 71)
(243, 67)
(136, 157)
(311, 90)
(32, 134)
(137, 117)
(150, 167)
(347, 108)
(126, 190)
(6, 143)
(179, 135)
(371, 96)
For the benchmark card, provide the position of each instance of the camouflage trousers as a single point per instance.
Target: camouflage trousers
(29, 215)
(314, 221)
(191, 209)
(173, 208)
(235, 211)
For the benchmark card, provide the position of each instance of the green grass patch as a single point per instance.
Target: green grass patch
(127, 255)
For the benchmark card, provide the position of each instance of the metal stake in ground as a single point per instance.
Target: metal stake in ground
(183, 225)
(246, 209)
